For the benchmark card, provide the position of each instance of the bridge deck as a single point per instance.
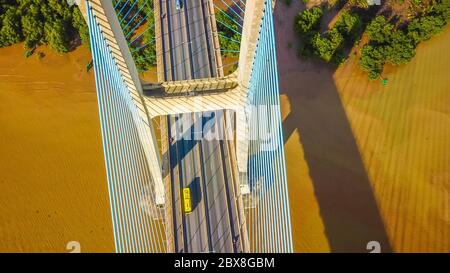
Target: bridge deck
(202, 165)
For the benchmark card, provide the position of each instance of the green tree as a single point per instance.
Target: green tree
(380, 30)
(442, 8)
(372, 60)
(349, 25)
(308, 20)
(56, 36)
(423, 28)
(143, 50)
(36, 22)
(79, 23)
(400, 50)
(11, 31)
(229, 33)
(326, 46)
(32, 26)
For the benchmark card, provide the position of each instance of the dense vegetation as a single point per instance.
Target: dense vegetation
(143, 48)
(229, 33)
(396, 44)
(61, 26)
(37, 22)
(390, 40)
(328, 45)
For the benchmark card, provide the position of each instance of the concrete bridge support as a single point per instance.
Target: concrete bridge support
(109, 24)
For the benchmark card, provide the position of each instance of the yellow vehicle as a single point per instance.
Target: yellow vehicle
(187, 200)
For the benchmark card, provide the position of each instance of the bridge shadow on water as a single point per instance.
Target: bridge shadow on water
(347, 204)
(346, 201)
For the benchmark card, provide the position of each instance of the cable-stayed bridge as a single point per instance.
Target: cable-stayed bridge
(194, 126)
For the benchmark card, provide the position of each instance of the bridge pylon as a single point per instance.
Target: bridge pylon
(128, 107)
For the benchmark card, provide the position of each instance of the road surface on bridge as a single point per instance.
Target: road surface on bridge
(202, 165)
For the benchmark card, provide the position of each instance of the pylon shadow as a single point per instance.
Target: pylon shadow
(348, 207)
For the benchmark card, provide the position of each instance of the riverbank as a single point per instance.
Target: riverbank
(52, 185)
(366, 161)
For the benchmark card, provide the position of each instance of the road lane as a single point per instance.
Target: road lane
(221, 238)
(198, 164)
(196, 232)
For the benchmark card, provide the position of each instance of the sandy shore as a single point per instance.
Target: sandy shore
(366, 162)
(52, 184)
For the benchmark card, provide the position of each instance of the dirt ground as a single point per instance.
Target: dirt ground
(366, 162)
(52, 178)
